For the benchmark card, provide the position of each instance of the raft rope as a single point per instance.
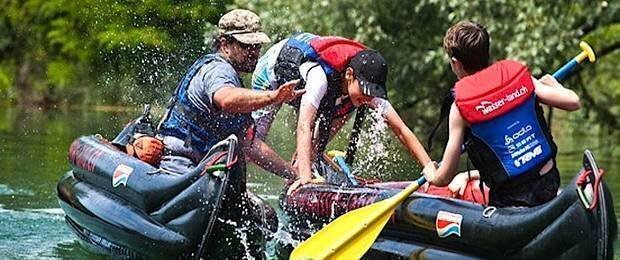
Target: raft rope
(209, 165)
(583, 178)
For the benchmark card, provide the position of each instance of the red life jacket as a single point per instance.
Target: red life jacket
(493, 91)
(336, 51)
(333, 55)
(508, 133)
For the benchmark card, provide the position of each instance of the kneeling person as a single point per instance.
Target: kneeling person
(498, 116)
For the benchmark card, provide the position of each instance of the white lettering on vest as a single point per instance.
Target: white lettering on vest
(486, 107)
(528, 156)
(510, 139)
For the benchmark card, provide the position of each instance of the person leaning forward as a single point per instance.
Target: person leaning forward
(338, 75)
(211, 103)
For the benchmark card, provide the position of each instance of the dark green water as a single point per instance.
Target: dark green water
(33, 156)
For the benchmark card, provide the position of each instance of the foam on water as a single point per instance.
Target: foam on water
(269, 197)
(33, 233)
(254, 184)
(6, 190)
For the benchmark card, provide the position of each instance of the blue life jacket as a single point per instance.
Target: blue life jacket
(508, 137)
(200, 129)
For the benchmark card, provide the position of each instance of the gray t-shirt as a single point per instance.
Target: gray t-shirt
(210, 78)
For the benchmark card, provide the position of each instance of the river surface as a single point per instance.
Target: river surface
(33, 156)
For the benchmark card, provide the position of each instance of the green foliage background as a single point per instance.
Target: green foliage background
(104, 52)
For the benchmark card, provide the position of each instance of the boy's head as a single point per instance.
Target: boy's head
(365, 77)
(467, 45)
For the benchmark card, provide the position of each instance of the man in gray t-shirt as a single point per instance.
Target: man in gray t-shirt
(211, 102)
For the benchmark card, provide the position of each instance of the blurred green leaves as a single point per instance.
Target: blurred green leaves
(128, 52)
(94, 51)
(542, 34)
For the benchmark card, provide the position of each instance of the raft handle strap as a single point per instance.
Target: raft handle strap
(488, 211)
(583, 179)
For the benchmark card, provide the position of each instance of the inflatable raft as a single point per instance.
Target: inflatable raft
(118, 205)
(579, 223)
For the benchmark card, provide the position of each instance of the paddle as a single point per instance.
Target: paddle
(352, 234)
(564, 71)
(355, 134)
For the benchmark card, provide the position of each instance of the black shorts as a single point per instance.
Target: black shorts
(527, 194)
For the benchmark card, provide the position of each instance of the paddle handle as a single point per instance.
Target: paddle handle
(565, 70)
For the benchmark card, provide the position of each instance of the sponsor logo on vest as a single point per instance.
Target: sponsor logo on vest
(486, 107)
(448, 223)
(528, 156)
(516, 135)
(121, 175)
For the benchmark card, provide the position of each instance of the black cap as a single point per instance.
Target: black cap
(371, 71)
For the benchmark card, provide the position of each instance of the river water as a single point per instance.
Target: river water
(33, 156)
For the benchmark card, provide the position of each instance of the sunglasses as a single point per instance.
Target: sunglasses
(249, 46)
(244, 46)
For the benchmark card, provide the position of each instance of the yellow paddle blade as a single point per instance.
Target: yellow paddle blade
(347, 237)
(352, 234)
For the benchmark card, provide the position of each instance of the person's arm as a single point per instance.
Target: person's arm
(240, 100)
(400, 129)
(550, 92)
(316, 87)
(459, 183)
(305, 149)
(264, 117)
(445, 173)
(262, 155)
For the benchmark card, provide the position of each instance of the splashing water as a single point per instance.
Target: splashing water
(375, 156)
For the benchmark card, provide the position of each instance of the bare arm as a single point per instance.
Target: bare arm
(305, 149)
(550, 92)
(262, 155)
(240, 100)
(264, 117)
(449, 163)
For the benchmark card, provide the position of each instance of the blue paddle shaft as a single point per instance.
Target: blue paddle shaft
(421, 181)
(346, 170)
(565, 70)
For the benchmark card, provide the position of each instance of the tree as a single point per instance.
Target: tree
(409, 33)
(55, 51)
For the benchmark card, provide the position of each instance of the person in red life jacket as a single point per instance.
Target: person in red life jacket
(497, 115)
(338, 75)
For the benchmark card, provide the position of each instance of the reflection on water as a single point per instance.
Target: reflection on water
(33, 156)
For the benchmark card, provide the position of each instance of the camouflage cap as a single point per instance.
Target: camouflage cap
(244, 26)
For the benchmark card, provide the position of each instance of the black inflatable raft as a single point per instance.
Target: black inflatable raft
(579, 223)
(119, 205)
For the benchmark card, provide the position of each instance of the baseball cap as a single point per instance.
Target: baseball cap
(244, 26)
(371, 71)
